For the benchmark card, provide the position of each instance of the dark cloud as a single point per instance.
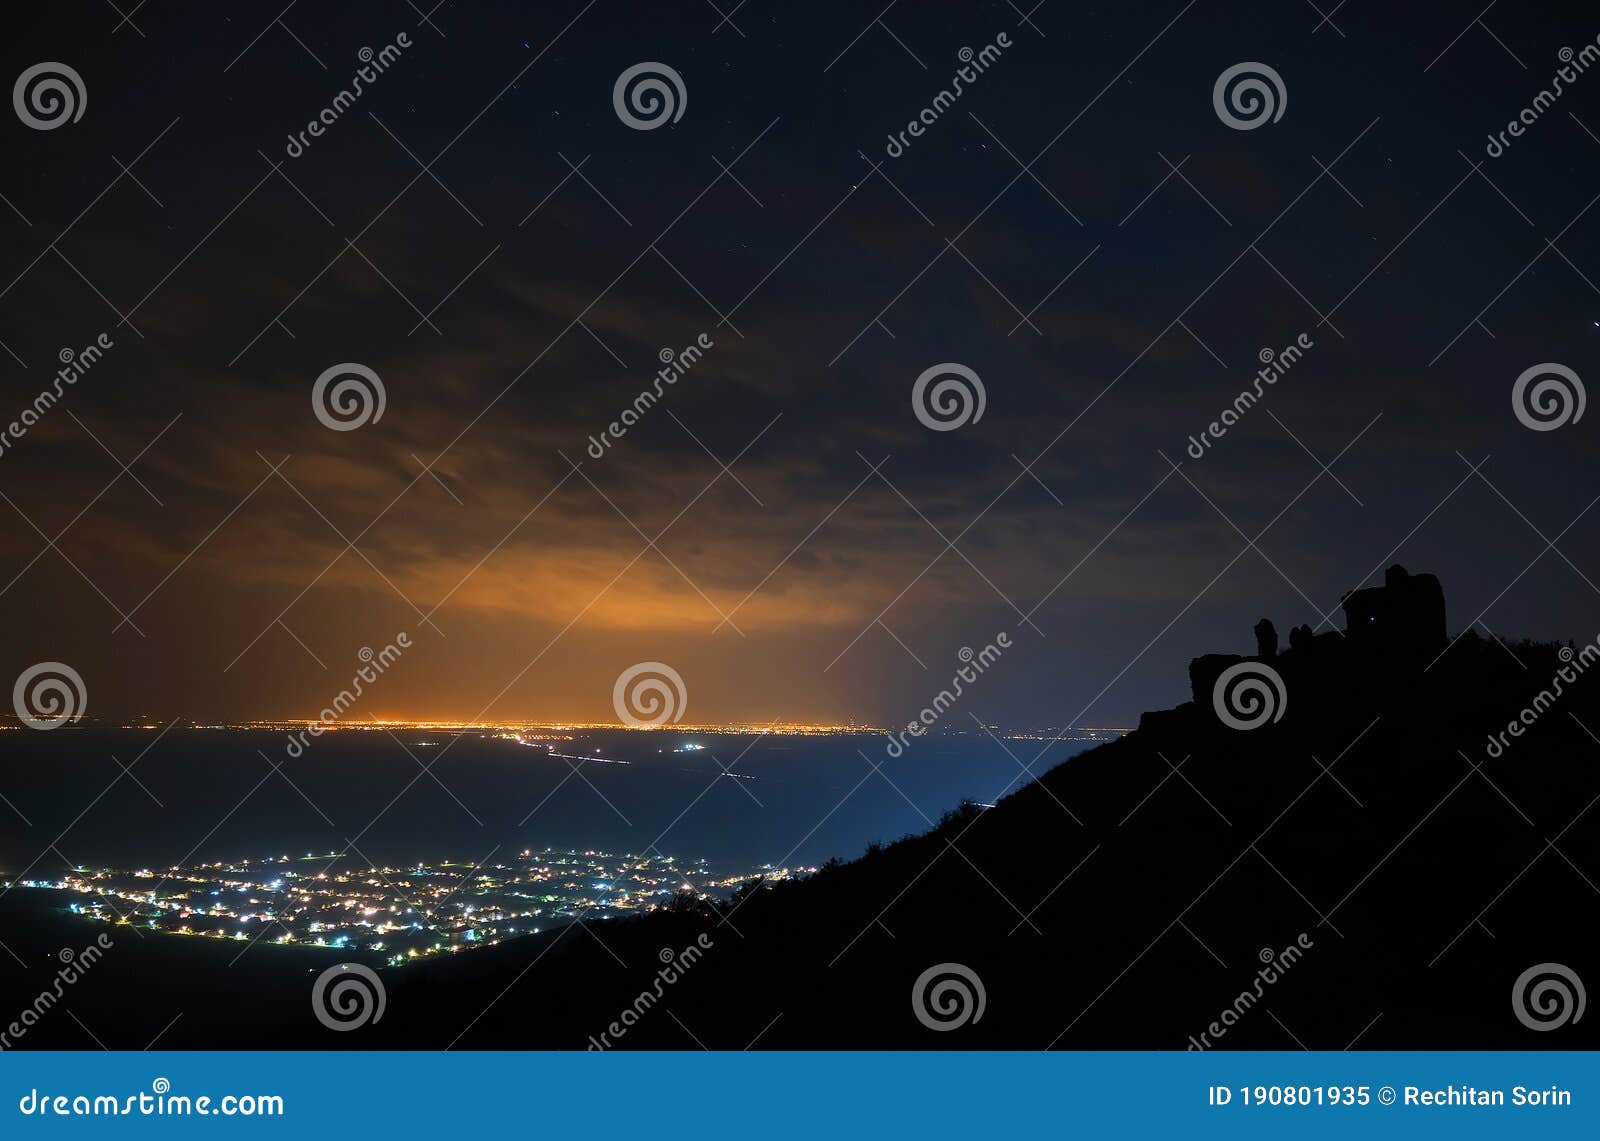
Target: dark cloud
(514, 308)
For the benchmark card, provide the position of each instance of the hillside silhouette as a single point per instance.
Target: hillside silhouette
(1385, 817)
(1349, 814)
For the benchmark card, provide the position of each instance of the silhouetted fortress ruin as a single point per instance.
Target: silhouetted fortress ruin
(1396, 627)
(1405, 614)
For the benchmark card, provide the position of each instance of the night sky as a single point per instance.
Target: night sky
(512, 307)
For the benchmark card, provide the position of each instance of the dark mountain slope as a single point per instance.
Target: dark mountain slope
(1129, 896)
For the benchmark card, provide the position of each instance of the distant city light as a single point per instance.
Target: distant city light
(353, 908)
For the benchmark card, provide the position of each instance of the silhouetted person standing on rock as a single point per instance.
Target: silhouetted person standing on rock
(1266, 639)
